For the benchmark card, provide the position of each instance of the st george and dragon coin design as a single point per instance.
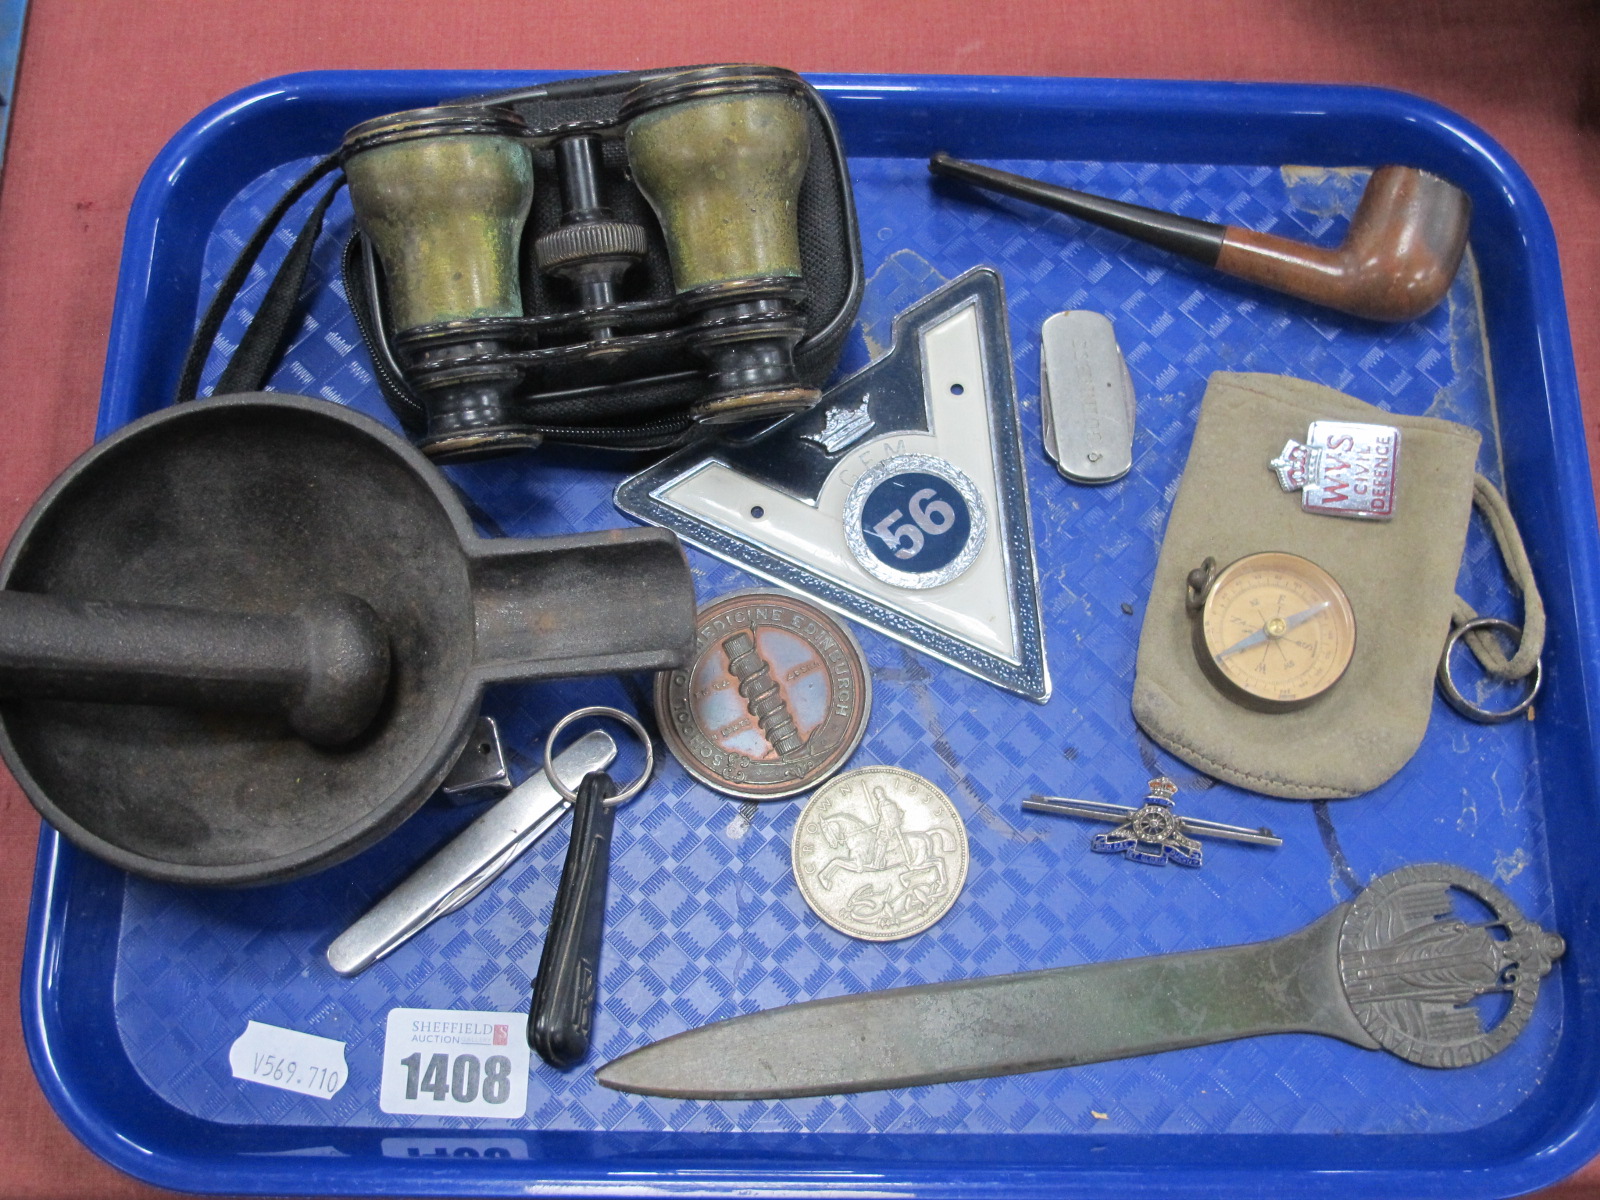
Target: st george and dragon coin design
(880, 853)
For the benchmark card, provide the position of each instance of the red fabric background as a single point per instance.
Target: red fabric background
(104, 84)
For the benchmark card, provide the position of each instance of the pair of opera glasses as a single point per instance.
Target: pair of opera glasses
(443, 196)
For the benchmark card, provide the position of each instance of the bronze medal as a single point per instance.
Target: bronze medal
(774, 700)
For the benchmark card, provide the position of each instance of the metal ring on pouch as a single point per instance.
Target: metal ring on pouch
(1197, 584)
(600, 710)
(1452, 694)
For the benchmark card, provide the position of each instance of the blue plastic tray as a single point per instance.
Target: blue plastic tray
(133, 992)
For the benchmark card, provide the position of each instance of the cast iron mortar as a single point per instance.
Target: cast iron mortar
(267, 504)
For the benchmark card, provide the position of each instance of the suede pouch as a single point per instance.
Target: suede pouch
(1399, 574)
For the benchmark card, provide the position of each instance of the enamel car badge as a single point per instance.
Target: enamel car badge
(898, 501)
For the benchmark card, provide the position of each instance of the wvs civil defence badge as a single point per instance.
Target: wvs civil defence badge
(1344, 469)
(899, 500)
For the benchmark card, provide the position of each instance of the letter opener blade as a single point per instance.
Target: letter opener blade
(1393, 969)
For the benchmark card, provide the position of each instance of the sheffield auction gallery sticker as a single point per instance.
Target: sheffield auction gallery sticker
(437, 1062)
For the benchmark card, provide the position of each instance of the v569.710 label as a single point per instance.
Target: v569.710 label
(289, 1059)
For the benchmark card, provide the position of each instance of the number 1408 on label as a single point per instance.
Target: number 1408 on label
(461, 1078)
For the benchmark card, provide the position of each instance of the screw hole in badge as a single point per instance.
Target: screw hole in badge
(757, 512)
(616, 714)
(957, 390)
(1452, 694)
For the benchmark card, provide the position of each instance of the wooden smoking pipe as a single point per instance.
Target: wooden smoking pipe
(1396, 262)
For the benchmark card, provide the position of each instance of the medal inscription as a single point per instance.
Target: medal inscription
(774, 701)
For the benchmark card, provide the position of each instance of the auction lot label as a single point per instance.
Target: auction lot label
(440, 1062)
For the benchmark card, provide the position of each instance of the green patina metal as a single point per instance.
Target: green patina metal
(723, 175)
(446, 216)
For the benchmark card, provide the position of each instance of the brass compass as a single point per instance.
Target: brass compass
(1272, 631)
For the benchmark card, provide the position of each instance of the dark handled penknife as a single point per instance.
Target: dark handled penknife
(1393, 969)
(561, 1017)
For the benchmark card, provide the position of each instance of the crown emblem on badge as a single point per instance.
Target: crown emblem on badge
(784, 503)
(1162, 790)
(843, 427)
(1295, 465)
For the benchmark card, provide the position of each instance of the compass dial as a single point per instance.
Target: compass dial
(1275, 631)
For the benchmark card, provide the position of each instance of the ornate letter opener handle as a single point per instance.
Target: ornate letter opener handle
(1393, 969)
